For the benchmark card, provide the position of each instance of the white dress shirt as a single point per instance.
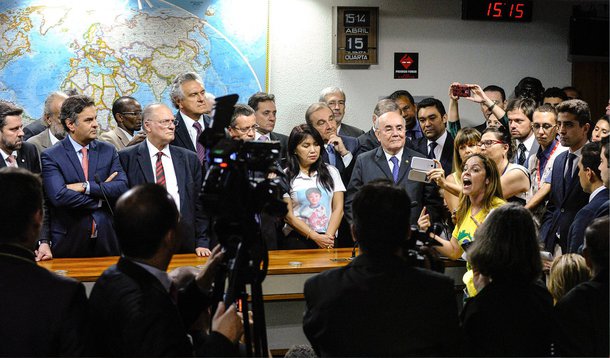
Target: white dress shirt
(171, 182)
(188, 122)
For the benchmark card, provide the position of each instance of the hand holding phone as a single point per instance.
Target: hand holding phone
(460, 91)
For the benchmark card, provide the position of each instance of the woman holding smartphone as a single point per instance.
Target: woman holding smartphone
(481, 193)
(315, 200)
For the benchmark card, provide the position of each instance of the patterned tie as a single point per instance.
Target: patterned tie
(432, 145)
(522, 149)
(199, 146)
(395, 169)
(331, 155)
(567, 179)
(159, 172)
(263, 138)
(85, 163)
(11, 161)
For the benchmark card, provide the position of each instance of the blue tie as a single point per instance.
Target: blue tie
(394, 161)
(331, 155)
(567, 179)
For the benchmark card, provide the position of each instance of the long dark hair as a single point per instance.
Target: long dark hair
(299, 134)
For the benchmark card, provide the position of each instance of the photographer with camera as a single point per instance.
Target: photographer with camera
(379, 304)
(481, 193)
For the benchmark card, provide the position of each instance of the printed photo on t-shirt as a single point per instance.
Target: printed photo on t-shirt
(315, 208)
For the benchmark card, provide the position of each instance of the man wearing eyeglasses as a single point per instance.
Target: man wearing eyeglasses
(176, 169)
(127, 113)
(544, 126)
(243, 123)
(334, 97)
(519, 112)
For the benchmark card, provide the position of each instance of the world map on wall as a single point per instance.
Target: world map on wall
(107, 49)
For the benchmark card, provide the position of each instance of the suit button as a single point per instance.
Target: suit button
(563, 210)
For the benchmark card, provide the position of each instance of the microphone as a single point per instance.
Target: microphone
(354, 250)
(98, 181)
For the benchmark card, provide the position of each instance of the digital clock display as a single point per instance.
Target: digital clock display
(489, 10)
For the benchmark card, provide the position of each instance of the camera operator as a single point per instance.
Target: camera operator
(136, 309)
(407, 309)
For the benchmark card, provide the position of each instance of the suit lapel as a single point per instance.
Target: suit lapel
(405, 164)
(122, 136)
(182, 133)
(93, 158)
(145, 163)
(382, 163)
(73, 158)
(560, 164)
(180, 170)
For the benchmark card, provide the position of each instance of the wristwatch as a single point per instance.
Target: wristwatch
(43, 241)
(84, 185)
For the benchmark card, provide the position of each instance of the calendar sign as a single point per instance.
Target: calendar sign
(357, 35)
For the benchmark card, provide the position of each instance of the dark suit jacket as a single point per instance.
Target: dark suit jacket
(532, 151)
(368, 141)
(283, 139)
(576, 235)
(27, 158)
(137, 164)
(350, 131)
(509, 320)
(562, 206)
(131, 314)
(72, 212)
(182, 138)
(41, 313)
(351, 144)
(34, 128)
(373, 165)
(582, 318)
(446, 159)
(380, 306)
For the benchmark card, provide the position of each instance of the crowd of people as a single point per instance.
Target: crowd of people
(522, 198)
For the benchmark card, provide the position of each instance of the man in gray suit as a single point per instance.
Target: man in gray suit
(392, 160)
(127, 113)
(55, 130)
(334, 97)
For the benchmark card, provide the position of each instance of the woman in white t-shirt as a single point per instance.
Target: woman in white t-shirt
(315, 200)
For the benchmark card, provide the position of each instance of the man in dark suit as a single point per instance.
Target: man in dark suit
(136, 309)
(604, 168)
(78, 173)
(177, 169)
(567, 196)
(368, 140)
(41, 313)
(188, 96)
(403, 304)
(265, 112)
(392, 160)
(582, 314)
(406, 104)
(520, 113)
(436, 143)
(55, 130)
(15, 153)
(591, 183)
(339, 151)
(334, 97)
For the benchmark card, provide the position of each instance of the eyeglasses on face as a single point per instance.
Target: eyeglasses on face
(489, 143)
(545, 127)
(246, 129)
(136, 114)
(166, 123)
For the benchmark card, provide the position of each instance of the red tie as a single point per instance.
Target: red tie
(11, 161)
(159, 172)
(85, 163)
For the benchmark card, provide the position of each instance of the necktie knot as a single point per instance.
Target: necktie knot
(521, 158)
(11, 160)
(197, 127)
(431, 154)
(263, 138)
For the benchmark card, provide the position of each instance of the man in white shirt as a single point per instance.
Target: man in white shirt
(176, 169)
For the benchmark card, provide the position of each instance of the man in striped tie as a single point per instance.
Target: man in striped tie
(176, 169)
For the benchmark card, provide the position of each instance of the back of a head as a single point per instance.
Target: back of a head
(381, 214)
(143, 216)
(567, 271)
(21, 193)
(504, 251)
(596, 242)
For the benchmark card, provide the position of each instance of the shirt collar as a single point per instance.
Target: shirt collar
(529, 141)
(595, 192)
(77, 147)
(547, 152)
(129, 136)
(578, 152)
(440, 141)
(52, 137)
(4, 155)
(397, 155)
(188, 121)
(307, 177)
(152, 150)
